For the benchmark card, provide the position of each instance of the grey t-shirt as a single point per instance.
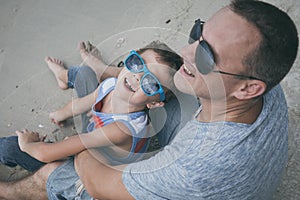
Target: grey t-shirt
(222, 160)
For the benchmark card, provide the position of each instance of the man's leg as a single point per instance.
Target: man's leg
(11, 155)
(64, 183)
(32, 187)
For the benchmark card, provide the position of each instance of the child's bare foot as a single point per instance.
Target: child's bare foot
(91, 56)
(60, 73)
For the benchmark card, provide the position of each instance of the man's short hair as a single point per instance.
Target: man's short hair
(273, 58)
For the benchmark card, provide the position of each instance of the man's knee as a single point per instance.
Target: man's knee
(43, 173)
(8, 148)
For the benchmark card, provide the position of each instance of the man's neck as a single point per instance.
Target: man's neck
(238, 111)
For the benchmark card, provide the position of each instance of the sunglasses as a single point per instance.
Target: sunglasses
(204, 57)
(149, 83)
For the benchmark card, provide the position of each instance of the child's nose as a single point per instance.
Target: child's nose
(137, 77)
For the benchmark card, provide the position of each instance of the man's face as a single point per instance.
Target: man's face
(231, 38)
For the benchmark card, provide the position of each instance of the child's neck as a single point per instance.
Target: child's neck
(113, 104)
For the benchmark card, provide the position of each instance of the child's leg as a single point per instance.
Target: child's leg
(11, 155)
(65, 77)
(84, 80)
(85, 83)
(59, 71)
(91, 56)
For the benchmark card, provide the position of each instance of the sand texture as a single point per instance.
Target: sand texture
(31, 30)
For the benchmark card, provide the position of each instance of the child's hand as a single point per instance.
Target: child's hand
(90, 114)
(55, 118)
(25, 137)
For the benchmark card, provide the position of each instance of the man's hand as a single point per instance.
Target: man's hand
(26, 137)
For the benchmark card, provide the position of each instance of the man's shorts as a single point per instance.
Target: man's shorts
(64, 183)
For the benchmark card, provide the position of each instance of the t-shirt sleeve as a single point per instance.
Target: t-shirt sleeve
(164, 175)
(146, 179)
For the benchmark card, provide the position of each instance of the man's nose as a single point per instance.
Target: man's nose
(188, 51)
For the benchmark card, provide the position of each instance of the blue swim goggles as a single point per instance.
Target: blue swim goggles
(149, 83)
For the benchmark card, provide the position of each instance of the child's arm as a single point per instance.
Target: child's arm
(73, 108)
(109, 135)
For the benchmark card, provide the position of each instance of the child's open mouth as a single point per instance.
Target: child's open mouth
(128, 85)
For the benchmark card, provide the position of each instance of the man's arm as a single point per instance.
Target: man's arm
(99, 179)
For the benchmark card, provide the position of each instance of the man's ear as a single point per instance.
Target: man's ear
(155, 104)
(250, 89)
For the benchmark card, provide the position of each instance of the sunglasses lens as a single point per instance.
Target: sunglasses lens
(204, 58)
(195, 32)
(150, 84)
(134, 63)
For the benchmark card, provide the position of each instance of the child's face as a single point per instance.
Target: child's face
(129, 88)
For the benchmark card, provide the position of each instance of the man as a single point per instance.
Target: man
(236, 147)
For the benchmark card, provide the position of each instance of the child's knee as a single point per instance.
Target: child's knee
(86, 71)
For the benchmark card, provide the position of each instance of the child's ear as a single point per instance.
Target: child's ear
(155, 104)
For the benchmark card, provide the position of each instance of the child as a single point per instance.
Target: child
(119, 122)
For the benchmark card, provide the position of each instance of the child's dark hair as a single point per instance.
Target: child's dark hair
(168, 57)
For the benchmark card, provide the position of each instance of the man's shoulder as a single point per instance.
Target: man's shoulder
(275, 106)
(276, 94)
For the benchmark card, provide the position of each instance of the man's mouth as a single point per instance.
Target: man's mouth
(128, 85)
(187, 71)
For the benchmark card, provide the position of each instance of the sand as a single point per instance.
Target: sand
(31, 30)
